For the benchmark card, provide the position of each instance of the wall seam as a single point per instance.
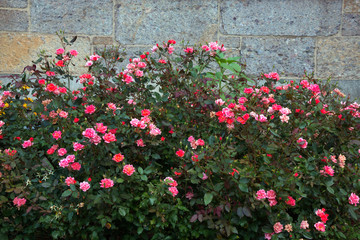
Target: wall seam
(29, 15)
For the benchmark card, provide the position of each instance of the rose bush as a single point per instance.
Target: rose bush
(181, 144)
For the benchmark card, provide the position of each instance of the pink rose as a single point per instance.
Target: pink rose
(106, 183)
(278, 227)
(261, 194)
(354, 199)
(84, 186)
(129, 169)
(70, 180)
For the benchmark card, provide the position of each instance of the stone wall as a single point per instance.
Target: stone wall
(289, 37)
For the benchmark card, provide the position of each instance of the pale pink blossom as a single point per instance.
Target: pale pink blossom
(106, 183)
(173, 190)
(219, 102)
(112, 106)
(100, 127)
(134, 122)
(90, 109)
(285, 111)
(63, 163)
(140, 143)
(2, 123)
(89, 133)
(320, 226)
(268, 236)
(284, 118)
(78, 146)
(95, 140)
(304, 224)
(204, 176)
(170, 181)
(342, 160)
(128, 169)
(84, 186)
(70, 158)
(89, 63)
(70, 180)
(189, 195)
(27, 144)
(278, 227)
(142, 65)
(19, 201)
(63, 114)
(354, 199)
(94, 57)
(302, 143)
(261, 194)
(62, 152)
(272, 202)
(60, 51)
(271, 194)
(109, 137)
(155, 131)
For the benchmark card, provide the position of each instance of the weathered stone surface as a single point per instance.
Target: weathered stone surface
(352, 5)
(13, 3)
(230, 42)
(155, 21)
(81, 16)
(18, 50)
(339, 57)
(13, 20)
(297, 18)
(102, 40)
(351, 24)
(288, 56)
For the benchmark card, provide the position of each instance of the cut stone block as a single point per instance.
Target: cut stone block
(13, 20)
(338, 57)
(287, 56)
(352, 6)
(296, 18)
(351, 24)
(80, 16)
(13, 3)
(154, 21)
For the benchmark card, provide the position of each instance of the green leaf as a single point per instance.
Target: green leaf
(243, 187)
(352, 213)
(218, 75)
(144, 178)
(140, 170)
(307, 235)
(208, 198)
(122, 211)
(240, 213)
(66, 193)
(152, 200)
(120, 180)
(330, 190)
(236, 66)
(140, 230)
(72, 187)
(267, 229)
(247, 212)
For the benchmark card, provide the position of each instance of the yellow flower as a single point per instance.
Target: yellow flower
(25, 105)
(6, 105)
(35, 113)
(25, 87)
(28, 99)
